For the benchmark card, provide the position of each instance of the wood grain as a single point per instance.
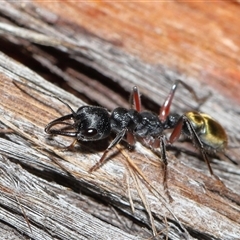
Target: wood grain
(76, 47)
(193, 37)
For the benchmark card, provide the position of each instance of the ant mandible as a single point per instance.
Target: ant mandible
(92, 123)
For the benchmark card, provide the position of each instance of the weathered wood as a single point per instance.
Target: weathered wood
(200, 203)
(188, 37)
(31, 158)
(26, 111)
(47, 208)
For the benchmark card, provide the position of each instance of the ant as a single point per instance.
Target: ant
(92, 123)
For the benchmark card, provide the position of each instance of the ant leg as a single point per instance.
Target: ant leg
(115, 141)
(137, 106)
(165, 164)
(165, 109)
(130, 139)
(72, 145)
(200, 101)
(197, 141)
(161, 143)
(176, 131)
(193, 135)
(136, 99)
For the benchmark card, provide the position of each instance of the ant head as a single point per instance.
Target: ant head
(92, 123)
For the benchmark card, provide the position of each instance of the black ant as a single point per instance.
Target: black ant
(92, 123)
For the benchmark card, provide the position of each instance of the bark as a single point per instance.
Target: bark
(47, 192)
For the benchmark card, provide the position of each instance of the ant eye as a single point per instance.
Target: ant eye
(90, 132)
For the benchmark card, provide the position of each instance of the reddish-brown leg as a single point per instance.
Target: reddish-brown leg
(194, 137)
(71, 147)
(100, 162)
(176, 131)
(165, 109)
(137, 106)
(136, 99)
(130, 139)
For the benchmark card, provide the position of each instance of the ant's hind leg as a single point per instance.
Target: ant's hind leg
(199, 100)
(195, 139)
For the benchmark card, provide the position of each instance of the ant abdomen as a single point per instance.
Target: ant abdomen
(211, 134)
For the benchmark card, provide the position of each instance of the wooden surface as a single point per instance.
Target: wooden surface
(98, 51)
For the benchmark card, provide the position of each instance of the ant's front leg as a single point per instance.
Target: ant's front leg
(115, 141)
(71, 147)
